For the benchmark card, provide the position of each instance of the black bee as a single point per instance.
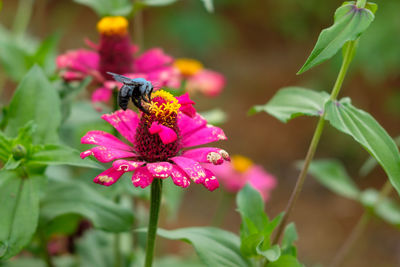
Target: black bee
(137, 89)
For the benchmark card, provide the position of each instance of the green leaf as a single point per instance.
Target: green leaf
(289, 237)
(367, 132)
(285, 261)
(215, 116)
(35, 100)
(74, 196)
(19, 209)
(14, 56)
(11, 164)
(271, 254)
(108, 7)
(332, 174)
(208, 4)
(157, 2)
(60, 155)
(371, 163)
(46, 53)
(215, 247)
(251, 207)
(385, 208)
(292, 102)
(5, 147)
(350, 22)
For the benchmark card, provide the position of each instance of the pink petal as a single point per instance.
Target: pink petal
(104, 139)
(179, 177)
(207, 155)
(187, 105)
(108, 177)
(126, 165)
(160, 169)
(209, 82)
(106, 154)
(82, 62)
(167, 76)
(231, 179)
(188, 125)
(204, 136)
(142, 177)
(72, 76)
(125, 122)
(151, 60)
(166, 134)
(192, 168)
(210, 182)
(102, 94)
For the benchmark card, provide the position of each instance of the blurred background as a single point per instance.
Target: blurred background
(259, 46)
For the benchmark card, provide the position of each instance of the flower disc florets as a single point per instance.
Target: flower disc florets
(163, 111)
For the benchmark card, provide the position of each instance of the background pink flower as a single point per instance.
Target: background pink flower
(116, 54)
(241, 170)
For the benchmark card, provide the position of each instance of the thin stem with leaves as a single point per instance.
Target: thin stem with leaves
(347, 58)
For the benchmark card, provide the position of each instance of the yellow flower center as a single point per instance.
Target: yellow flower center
(163, 108)
(113, 25)
(187, 66)
(241, 164)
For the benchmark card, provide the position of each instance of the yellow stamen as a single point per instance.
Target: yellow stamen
(241, 163)
(187, 66)
(170, 106)
(113, 25)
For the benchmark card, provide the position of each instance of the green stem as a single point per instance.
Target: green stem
(361, 3)
(117, 236)
(22, 17)
(222, 209)
(360, 227)
(156, 190)
(348, 56)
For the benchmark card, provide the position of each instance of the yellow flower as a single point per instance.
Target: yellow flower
(115, 25)
(187, 66)
(241, 164)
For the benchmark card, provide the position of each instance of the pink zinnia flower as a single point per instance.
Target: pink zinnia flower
(208, 82)
(159, 144)
(115, 53)
(241, 170)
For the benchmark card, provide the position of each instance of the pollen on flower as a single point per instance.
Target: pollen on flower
(241, 163)
(113, 25)
(187, 66)
(105, 179)
(214, 157)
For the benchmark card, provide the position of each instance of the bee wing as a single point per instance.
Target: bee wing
(122, 79)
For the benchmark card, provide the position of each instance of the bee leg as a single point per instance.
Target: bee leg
(141, 107)
(138, 104)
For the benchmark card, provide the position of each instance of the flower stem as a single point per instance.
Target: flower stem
(347, 58)
(22, 17)
(360, 227)
(156, 190)
(222, 209)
